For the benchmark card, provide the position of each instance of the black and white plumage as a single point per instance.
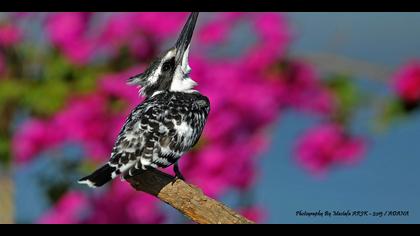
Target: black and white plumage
(167, 124)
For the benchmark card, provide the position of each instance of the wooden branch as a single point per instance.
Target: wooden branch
(186, 198)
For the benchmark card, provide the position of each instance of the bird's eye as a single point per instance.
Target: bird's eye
(166, 67)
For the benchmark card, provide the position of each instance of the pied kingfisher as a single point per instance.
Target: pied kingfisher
(167, 124)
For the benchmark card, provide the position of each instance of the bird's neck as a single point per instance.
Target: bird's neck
(184, 91)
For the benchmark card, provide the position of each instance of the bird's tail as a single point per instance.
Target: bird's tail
(100, 177)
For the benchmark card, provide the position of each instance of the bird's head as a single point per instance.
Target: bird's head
(169, 71)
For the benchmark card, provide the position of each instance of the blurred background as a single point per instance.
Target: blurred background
(309, 112)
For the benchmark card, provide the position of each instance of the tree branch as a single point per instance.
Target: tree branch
(186, 198)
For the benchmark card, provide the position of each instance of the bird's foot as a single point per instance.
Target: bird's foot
(178, 174)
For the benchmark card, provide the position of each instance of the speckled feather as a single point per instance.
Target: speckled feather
(159, 131)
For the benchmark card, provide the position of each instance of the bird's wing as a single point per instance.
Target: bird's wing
(158, 132)
(148, 132)
(134, 137)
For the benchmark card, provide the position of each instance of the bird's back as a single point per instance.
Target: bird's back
(160, 130)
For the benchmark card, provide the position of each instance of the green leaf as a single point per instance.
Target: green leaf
(5, 154)
(347, 93)
(46, 98)
(85, 80)
(11, 89)
(58, 68)
(391, 111)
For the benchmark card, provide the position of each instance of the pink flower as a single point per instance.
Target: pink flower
(115, 85)
(273, 40)
(118, 31)
(118, 204)
(219, 28)
(78, 52)
(302, 89)
(68, 32)
(210, 168)
(91, 122)
(85, 121)
(121, 204)
(118, 28)
(407, 82)
(254, 213)
(66, 27)
(29, 140)
(68, 210)
(141, 47)
(10, 35)
(213, 33)
(326, 146)
(149, 214)
(141, 33)
(160, 25)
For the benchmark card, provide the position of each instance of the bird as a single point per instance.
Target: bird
(167, 124)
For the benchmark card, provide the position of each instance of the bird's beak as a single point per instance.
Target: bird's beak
(183, 44)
